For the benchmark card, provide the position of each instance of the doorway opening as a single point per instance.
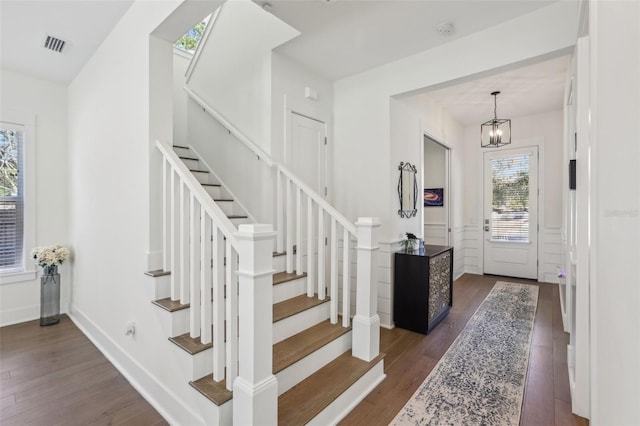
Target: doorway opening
(436, 178)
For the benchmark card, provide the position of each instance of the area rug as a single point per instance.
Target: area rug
(480, 379)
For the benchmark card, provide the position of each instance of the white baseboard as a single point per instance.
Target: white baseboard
(166, 402)
(18, 315)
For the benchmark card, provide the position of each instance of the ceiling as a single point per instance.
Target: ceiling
(339, 38)
(527, 90)
(24, 25)
(343, 37)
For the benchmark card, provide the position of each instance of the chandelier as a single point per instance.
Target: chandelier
(497, 131)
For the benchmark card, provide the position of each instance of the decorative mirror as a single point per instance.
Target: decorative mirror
(407, 190)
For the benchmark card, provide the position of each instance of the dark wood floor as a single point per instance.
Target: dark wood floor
(411, 357)
(55, 376)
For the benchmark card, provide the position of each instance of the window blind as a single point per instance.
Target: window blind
(11, 198)
(510, 201)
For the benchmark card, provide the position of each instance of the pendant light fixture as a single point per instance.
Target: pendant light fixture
(497, 131)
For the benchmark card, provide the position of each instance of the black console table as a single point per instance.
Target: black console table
(423, 287)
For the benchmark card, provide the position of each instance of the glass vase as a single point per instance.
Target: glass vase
(50, 296)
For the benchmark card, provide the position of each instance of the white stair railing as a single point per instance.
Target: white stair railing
(201, 251)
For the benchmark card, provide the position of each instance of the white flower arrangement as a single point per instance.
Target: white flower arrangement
(48, 257)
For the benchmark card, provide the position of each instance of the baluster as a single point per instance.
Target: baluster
(166, 215)
(279, 213)
(289, 226)
(310, 261)
(219, 350)
(194, 267)
(184, 243)
(175, 237)
(346, 279)
(298, 230)
(334, 274)
(205, 276)
(321, 252)
(232, 315)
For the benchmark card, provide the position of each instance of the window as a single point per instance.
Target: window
(510, 204)
(17, 198)
(189, 41)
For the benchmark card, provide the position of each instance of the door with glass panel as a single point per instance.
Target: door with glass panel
(510, 222)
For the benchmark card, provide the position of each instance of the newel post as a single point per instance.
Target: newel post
(255, 390)
(366, 322)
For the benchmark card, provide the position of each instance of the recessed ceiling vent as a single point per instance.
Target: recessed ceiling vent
(54, 43)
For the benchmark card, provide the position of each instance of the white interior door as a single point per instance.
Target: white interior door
(306, 152)
(511, 212)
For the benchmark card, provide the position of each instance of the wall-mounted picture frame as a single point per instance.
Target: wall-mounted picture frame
(434, 197)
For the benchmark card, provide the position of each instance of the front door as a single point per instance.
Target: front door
(511, 212)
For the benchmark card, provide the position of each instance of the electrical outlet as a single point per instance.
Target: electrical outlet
(130, 328)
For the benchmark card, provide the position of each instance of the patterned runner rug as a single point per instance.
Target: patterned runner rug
(480, 379)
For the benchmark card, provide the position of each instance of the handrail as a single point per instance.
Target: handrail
(203, 197)
(340, 218)
(346, 223)
(230, 127)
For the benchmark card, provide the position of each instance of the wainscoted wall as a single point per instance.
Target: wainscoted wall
(472, 249)
(385, 282)
(435, 234)
(551, 255)
(458, 251)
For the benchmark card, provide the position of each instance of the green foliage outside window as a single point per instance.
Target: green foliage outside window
(189, 41)
(8, 163)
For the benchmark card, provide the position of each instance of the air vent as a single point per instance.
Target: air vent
(55, 44)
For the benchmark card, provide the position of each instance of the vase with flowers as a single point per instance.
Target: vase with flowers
(49, 258)
(410, 243)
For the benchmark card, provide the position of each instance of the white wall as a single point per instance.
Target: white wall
(47, 103)
(113, 122)
(614, 30)
(180, 64)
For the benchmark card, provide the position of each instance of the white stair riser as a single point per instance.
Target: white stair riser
(183, 152)
(214, 191)
(212, 413)
(280, 263)
(294, 374)
(287, 327)
(348, 400)
(193, 366)
(191, 164)
(159, 287)
(230, 208)
(203, 177)
(289, 289)
(174, 323)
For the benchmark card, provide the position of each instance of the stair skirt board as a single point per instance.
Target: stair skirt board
(348, 400)
(297, 372)
(289, 289)
(193, 366)
(289, 326)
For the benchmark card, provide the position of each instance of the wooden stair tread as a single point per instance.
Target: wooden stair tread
(237, 217)
(293, 349)
(215, 392)
(180, 146)
(295, 305)
(283, 277)
(190, 344)
(198, 171)
(308, 398)
(170, 305)
(210, 184)
(217, 200)
(157, 273)
(188, 158)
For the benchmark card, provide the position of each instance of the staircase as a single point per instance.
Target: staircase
(261, 341)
